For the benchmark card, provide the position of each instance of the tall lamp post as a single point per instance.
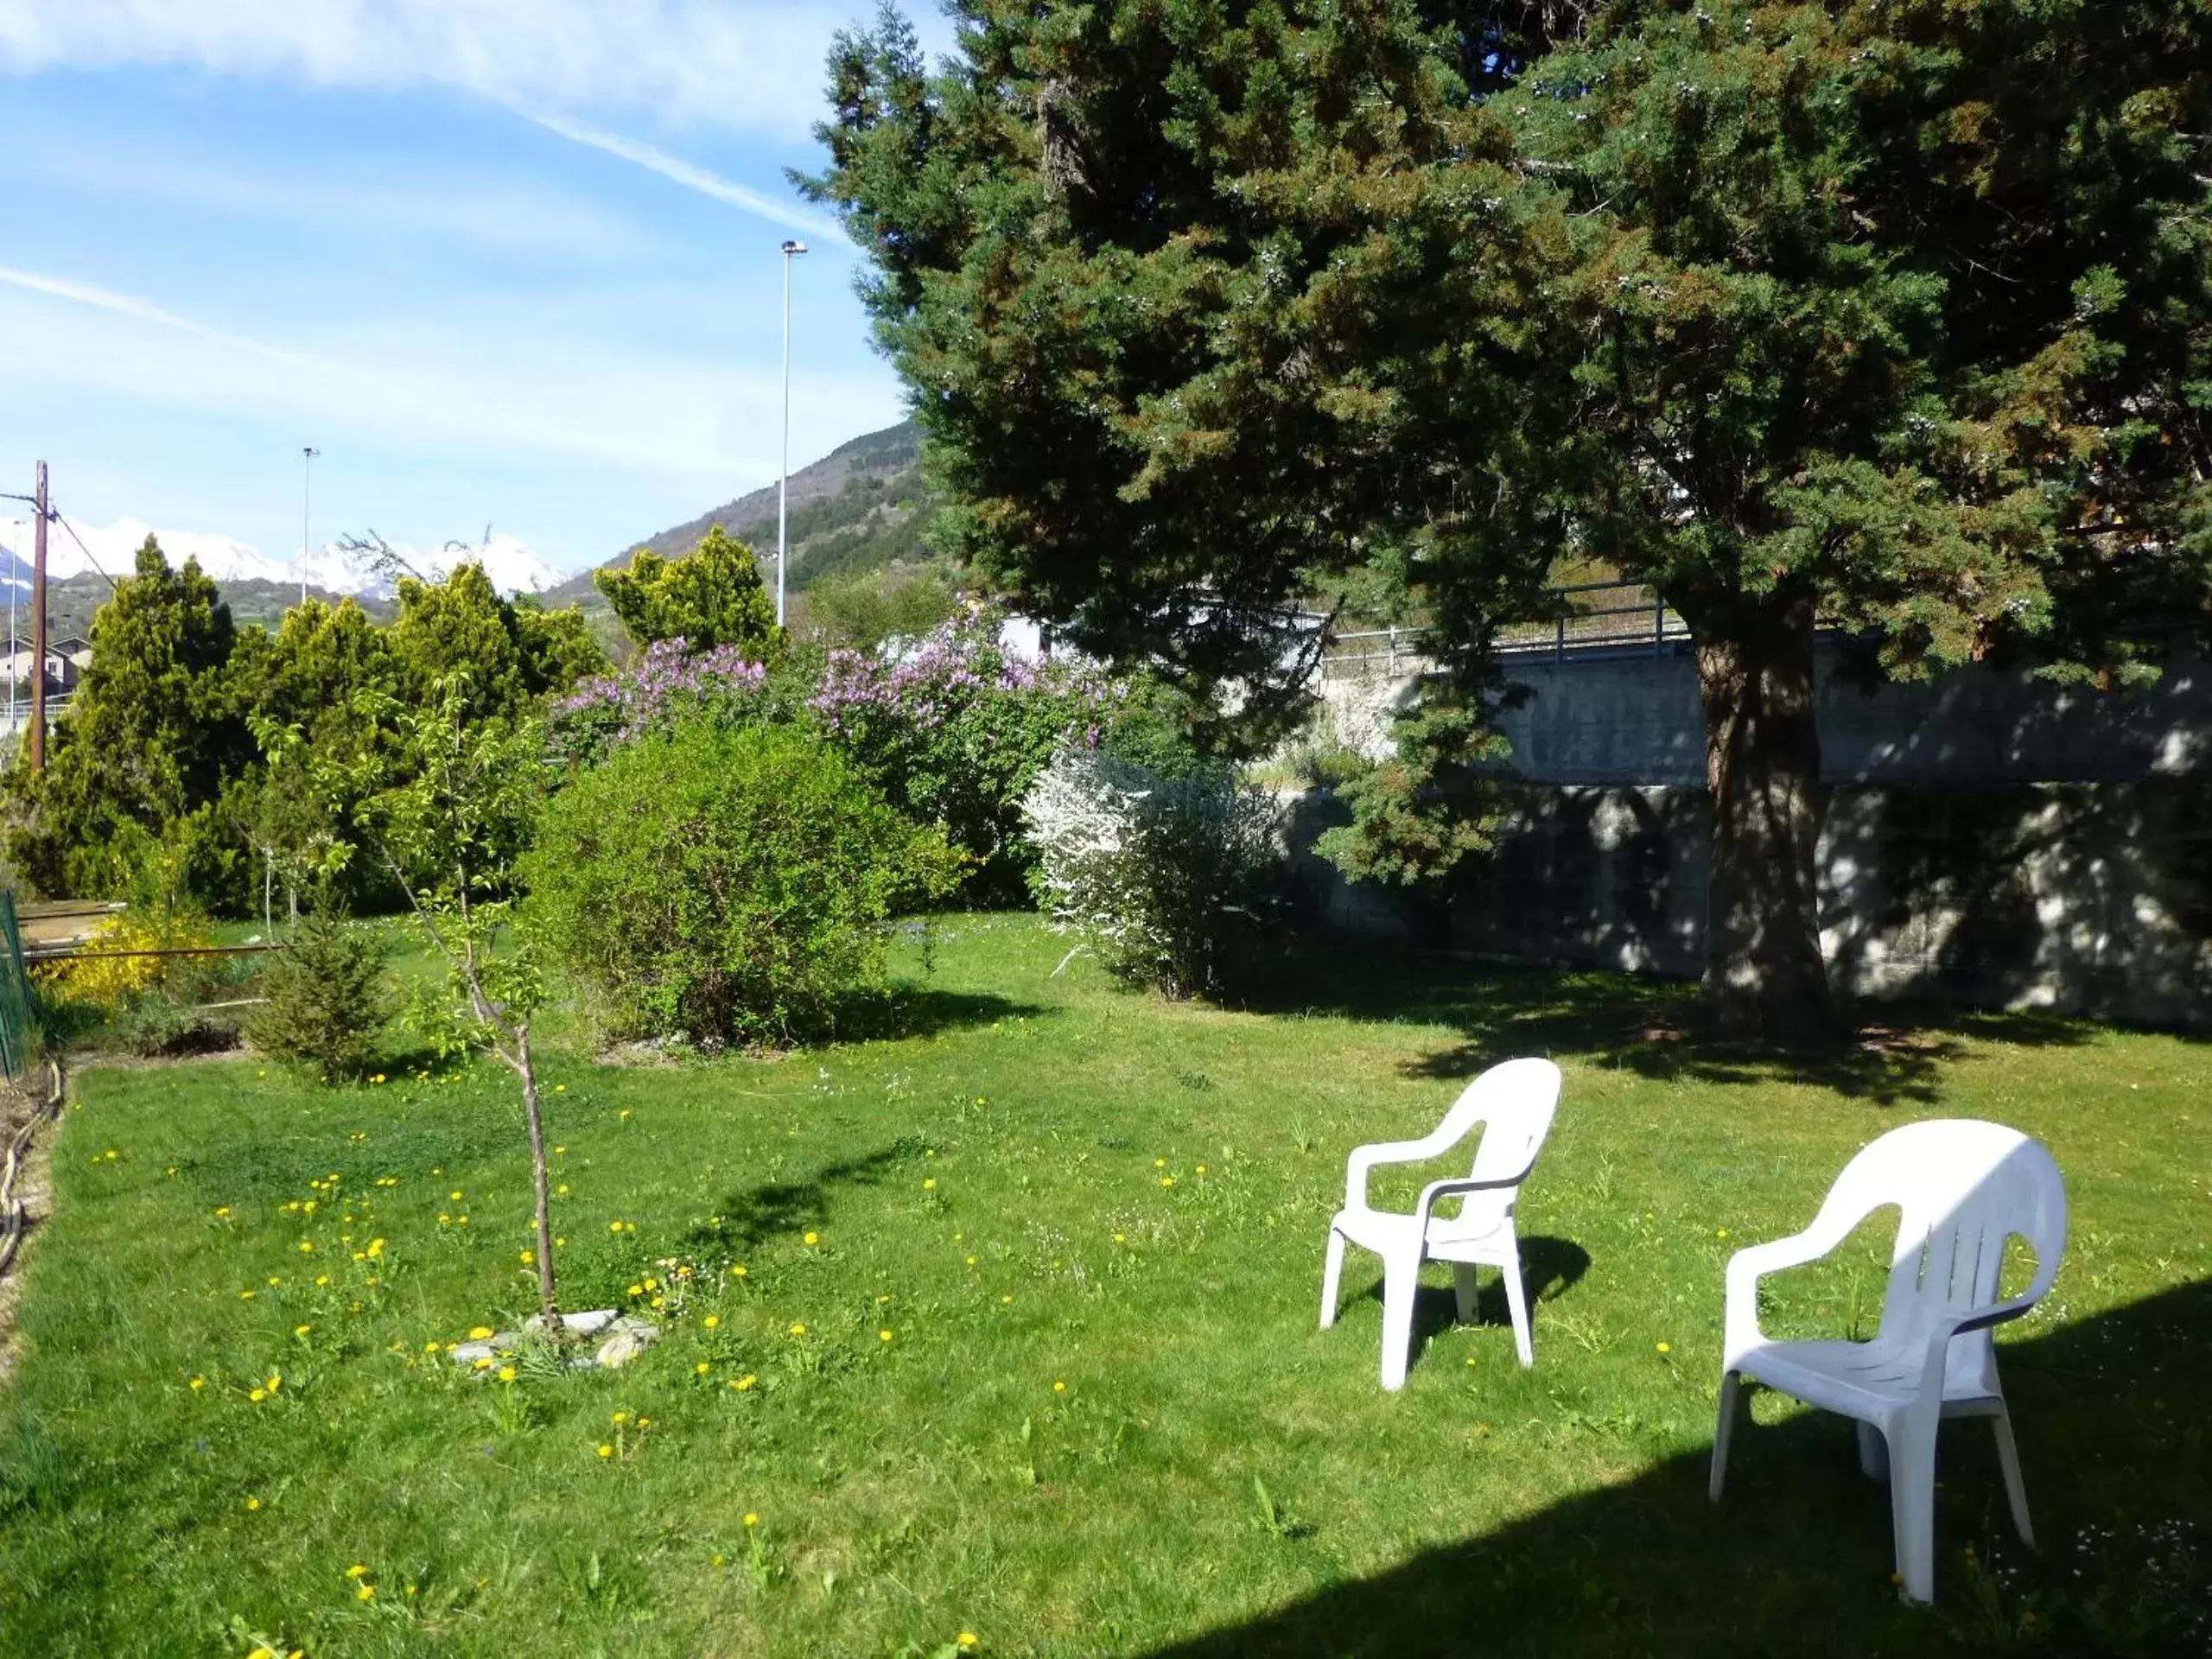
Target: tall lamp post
(307, 494)
(791, 251)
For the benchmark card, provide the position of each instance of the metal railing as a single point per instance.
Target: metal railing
(1582, 621)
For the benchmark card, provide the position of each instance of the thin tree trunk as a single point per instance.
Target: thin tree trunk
(1764, 976)
(529, 1074)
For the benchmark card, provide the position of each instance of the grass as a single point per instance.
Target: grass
(1103, 1420)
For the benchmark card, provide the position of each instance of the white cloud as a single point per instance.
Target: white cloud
(755, 66)
(693, 178)
(125, 305)
(422, 389)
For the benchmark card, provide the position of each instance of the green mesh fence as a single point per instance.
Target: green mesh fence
(18, 1001)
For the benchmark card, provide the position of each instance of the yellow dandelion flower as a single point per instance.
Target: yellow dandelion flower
(605, 1451)
(1201, 1169)
(711, 1320)
(198, 1383)
(1159, 1163)
(1666, 1348)
(798, 1330)
(274, 1384)
(455, 1195)
(1059, 1388)
(812, 1238)
(357, 1571)
(530, 1258)
(930, 1184)
(245, 1295)
(702, 1369)
(737, 1272)
(746, 1381)
(479, 1333)
(376, 1249)
(883, 1336)
(619, 1418)
(562, 1191)
(1003, 1300)
(366, 1593)
(750, 1519)
(1167, 1180)
(626, 1111)
(322, 1279)
(613, 1226)
(968, 1639)
(483, 1364)
(506, 1373)
(302, 1330)
(971, 1261)
(258, 1395)
(252, 1503)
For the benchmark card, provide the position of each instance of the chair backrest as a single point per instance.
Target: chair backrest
(1514, 1101)
(1965, 1189)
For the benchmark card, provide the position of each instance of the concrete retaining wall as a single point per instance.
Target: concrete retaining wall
(2080, 899)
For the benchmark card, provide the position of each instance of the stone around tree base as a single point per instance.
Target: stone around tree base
(625, 1338)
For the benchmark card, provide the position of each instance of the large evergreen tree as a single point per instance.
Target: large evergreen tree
(154, 731)
(1893, 312)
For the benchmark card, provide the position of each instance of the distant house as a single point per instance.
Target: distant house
(76, 648)
(63, 670)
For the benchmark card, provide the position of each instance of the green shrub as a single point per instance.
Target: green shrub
(327, 1000)
(725, 885)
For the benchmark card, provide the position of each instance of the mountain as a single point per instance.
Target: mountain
(862, 506)
(257, 587)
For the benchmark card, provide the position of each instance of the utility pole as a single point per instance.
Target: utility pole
(38, 629)
(791, 251)
(307, 494)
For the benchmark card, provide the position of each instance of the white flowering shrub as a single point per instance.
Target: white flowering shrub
(1156, 873)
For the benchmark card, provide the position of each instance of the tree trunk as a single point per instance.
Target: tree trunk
(1764, 977)
(524, 1065)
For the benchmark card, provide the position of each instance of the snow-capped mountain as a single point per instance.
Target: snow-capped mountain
(113, 548)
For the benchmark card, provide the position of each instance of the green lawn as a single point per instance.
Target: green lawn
(1028, 1305)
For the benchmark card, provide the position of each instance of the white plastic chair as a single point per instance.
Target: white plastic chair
(1965, 1189)
(1514, 1101)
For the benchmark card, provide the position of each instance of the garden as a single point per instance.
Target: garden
(1000, 1330)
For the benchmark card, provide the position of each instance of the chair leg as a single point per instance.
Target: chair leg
(1724, 1427)
(1912, 1507)
(1874, 1453)
(1332, 1278)
(2008, 1456)
(1401, 1287)
(1516, 1301)
(1462, 1286)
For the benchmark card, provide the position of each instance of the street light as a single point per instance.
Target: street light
(307, 484)
(791, 251)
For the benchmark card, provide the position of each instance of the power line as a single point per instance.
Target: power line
(112, 583)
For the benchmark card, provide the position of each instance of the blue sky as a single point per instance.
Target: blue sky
(503, 261)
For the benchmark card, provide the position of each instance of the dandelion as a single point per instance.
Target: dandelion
(274, 1384)
(626, 1111)
(252, 1503)
(1666, 1348)
(506, 1373)
(222, 1212)
(1003, 1300)
(483, 1364)
(968, 1639)
(812, 1239)
(366, 1593)
(1202, 1169)
(479, 1333)
(1167, 1180)
(930, 1184)
(702, 1369)
(1721, 1233)
(1159, 1163)
(378, 1078)
(245, 1295)
(971, 1261)
(307, 1246)
(258, 1395)
(883, 1336)
(637, 1290)
(375, 1249)
(321, 1278)
(746, 1381)
(530, 1258)
(455, 1195)
(1059, 1388)
(1118, 1238)
(798, 1330)
(738, 1272)
(605, 1450)
(275, 1279)
(560, 1151)
(613, 1226)
(561, 1190)
(357, 1571)
(302, 1330)
(750, 1519)
(560, 1088)
(198, 1383)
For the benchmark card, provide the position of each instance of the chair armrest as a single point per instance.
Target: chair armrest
(1436, 1191)
(1745, 1269)
(1363, 1159)
(1959, 1325)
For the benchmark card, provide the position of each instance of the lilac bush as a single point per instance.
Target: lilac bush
(955, 727)
(669, 683)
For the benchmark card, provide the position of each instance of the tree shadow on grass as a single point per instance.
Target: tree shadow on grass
(1796, 1557)
(924, 1011)
(1653, 1027)
(747, 1217)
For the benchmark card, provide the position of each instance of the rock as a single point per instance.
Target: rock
(628, 1341)
(578, 1324)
